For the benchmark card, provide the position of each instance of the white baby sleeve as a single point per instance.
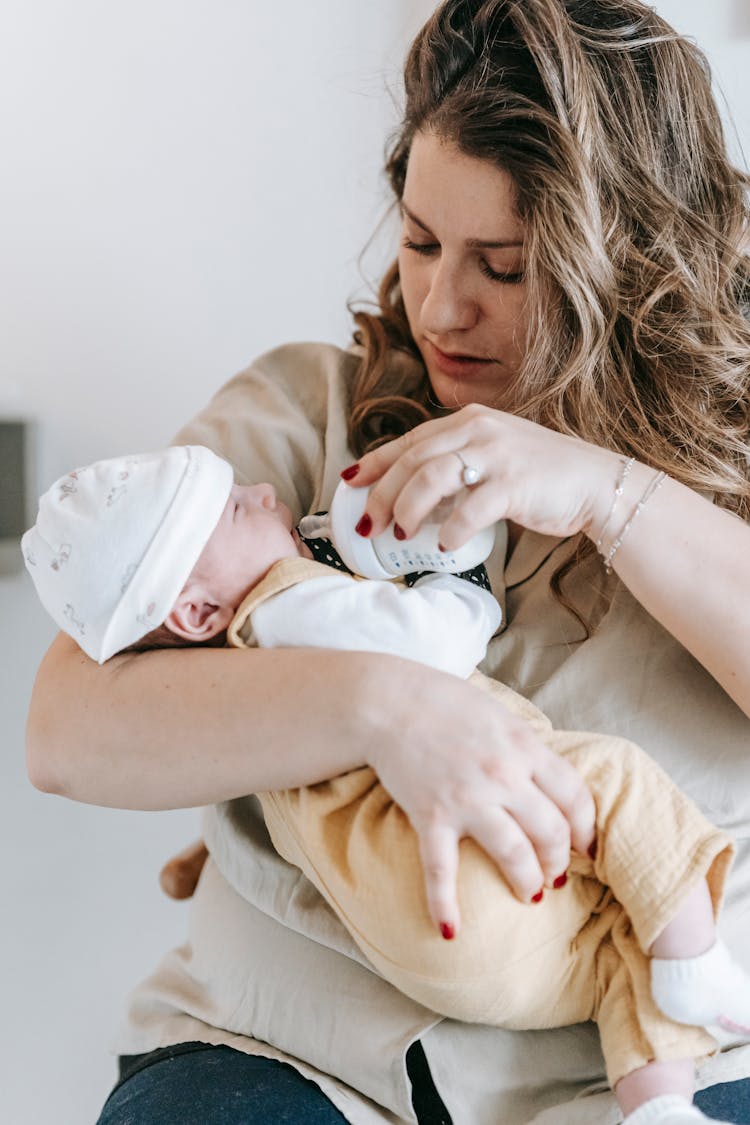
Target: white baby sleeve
(442, 620)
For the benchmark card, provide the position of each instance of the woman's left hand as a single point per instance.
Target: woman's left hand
(545, 481)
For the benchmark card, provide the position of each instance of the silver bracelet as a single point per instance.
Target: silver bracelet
(626, 467)
(653, 486)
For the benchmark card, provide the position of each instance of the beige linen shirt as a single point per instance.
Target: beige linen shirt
(268, 969)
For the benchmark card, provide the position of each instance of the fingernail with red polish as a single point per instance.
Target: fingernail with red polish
(560, 881)
(364, 527)
(350, 472)
(538, 896)
(441, 548)
(592, 850)
(398, 532)
(447, 930)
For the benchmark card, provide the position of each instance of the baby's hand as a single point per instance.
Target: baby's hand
(179, 876)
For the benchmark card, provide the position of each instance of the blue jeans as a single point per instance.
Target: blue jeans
(195, 1084)
(729, 1101)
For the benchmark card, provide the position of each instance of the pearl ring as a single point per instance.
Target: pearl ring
(469, 475)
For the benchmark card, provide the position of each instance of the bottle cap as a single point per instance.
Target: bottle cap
(357, 552)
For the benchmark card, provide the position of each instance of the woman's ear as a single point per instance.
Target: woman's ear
(195, 617)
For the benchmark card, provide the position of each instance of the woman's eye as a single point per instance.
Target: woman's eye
(509, 277)
(420, 247)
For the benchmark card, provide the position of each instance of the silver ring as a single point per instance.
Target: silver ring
(469, 475)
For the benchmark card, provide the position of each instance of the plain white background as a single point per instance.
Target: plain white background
(185, 184)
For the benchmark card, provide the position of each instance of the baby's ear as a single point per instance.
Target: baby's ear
(196, 618)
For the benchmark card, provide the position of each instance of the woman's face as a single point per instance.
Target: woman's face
(461, 263)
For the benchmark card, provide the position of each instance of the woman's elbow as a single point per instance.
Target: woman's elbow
(46, 719)
(40, 766)
(43, 757)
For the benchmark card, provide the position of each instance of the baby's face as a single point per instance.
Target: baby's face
(254, 532)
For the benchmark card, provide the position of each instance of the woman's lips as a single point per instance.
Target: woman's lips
(456, 365)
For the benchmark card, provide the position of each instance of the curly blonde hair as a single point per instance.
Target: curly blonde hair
(636, 221)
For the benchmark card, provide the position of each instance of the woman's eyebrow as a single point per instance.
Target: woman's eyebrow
(474, 243)
(410, 215)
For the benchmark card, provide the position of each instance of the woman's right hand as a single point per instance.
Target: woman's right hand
(460, 765)
(134, 734)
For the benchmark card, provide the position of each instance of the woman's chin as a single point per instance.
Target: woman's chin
(488, 389)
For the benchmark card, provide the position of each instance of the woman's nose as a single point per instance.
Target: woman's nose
(448, 304)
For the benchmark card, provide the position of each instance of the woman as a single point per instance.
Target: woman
(570, 272)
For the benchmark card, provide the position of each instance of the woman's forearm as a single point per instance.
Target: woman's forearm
(181, 728)
(687, 562)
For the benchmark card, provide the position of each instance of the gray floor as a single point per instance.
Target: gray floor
(83, 915)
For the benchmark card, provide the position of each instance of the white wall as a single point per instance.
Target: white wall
(185, 183)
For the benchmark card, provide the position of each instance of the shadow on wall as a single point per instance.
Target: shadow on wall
(739, 19)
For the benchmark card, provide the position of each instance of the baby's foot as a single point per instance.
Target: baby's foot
(668, 1109)
(708, 991)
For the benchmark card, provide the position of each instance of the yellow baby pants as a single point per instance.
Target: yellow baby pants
(577, 955)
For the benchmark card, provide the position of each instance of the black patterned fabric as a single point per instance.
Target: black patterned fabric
(323, 550)
(478, 576)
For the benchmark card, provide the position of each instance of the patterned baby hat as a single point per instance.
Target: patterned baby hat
(115, 542)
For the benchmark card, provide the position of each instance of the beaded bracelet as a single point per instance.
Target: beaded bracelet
(653, 486)
(626, 467)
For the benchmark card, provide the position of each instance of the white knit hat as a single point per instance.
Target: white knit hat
(114, 543)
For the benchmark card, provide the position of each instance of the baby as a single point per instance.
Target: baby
(165, 548)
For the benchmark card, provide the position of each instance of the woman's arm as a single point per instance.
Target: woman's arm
(688, 563)
(178, 728)
(684, 559)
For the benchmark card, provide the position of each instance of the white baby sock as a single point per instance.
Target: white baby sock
(668, 1109)
(707, 990)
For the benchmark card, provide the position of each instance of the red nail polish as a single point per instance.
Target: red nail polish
(350, 472)
(447, 931)
(538, 896)
(364, 527)
(398, 532)
(592, 850)
(441, 548)
(560, 881)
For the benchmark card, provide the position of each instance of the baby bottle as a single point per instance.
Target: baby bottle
(385, 556)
